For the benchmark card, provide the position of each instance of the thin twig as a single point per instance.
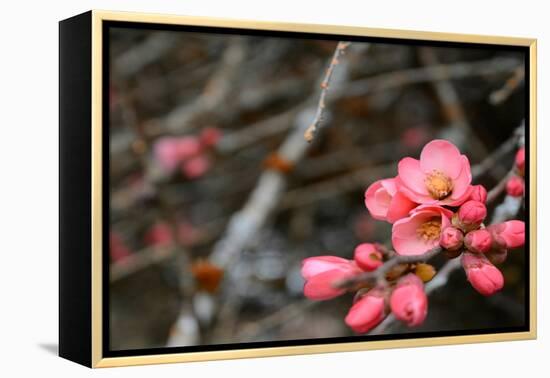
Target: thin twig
(500, 95)
(312, 129)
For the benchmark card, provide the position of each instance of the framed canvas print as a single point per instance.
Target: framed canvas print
(234, 189)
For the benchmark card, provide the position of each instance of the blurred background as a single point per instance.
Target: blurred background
(215, 200)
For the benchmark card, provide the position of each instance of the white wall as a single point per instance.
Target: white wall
(28, 211)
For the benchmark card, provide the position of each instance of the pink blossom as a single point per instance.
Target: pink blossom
(515, 186)
(510, 233)
(408, 301)
(441, 176)
(478, 241)
(471, 214)
(188, 147)
(484, 276)
(169, 152)
(367, 257)
(414, 137)
(451, 238)
(385, 202)
(210, 136)
(478, 193)
(195, 167)
(421, 231)
(322, 272)
(520, 160)
(166, 153)
(367, 312)
(117, 248)
(160, 234)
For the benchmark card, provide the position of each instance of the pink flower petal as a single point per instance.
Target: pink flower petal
(442, 156)
(411, 176)
(400, 207)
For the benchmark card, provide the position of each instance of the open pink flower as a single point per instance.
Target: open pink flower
(421, 231)
(385, 202)
(367, 312)
(408, 301)
(484, 276)
(441, 176)
(322, 272)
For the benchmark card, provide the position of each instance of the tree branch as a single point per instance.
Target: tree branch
(312, 129)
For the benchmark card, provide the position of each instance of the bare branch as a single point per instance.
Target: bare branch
(312, 129)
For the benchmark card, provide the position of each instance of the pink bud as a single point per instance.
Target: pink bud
(166, 153)
(160, 234)
(478, 241)
(188, 147)
(117, 248)
(408, 301)
(195, 167)
(511, 233)
(323, 272)
(471, 214)
(451, 238)
(515, 186)
(483, 275)
(478, 193)
(520, 160)
(210, 136)
(367, 257)
(367, 312)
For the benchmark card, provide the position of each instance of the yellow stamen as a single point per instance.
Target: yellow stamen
(430, 230)
(439, 185)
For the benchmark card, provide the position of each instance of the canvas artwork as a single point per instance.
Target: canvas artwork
(263, 189)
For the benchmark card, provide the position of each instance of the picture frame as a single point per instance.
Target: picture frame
(84, 110)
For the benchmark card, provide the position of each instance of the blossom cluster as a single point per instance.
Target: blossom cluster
(432, 206)
(186, 153)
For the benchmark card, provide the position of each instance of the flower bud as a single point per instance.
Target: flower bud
(408, 301)
(451, 238)
(424, 271)
(482, 275)
(515, 186)
(478, 193)
(520, 160)
(210, 136)
(478, 241)
(322, 272)
(195, 167)
(510, 234)
(367, 257)
(367, 312)
(471, 214)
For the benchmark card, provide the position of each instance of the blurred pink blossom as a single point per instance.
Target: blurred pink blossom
(515, 186)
